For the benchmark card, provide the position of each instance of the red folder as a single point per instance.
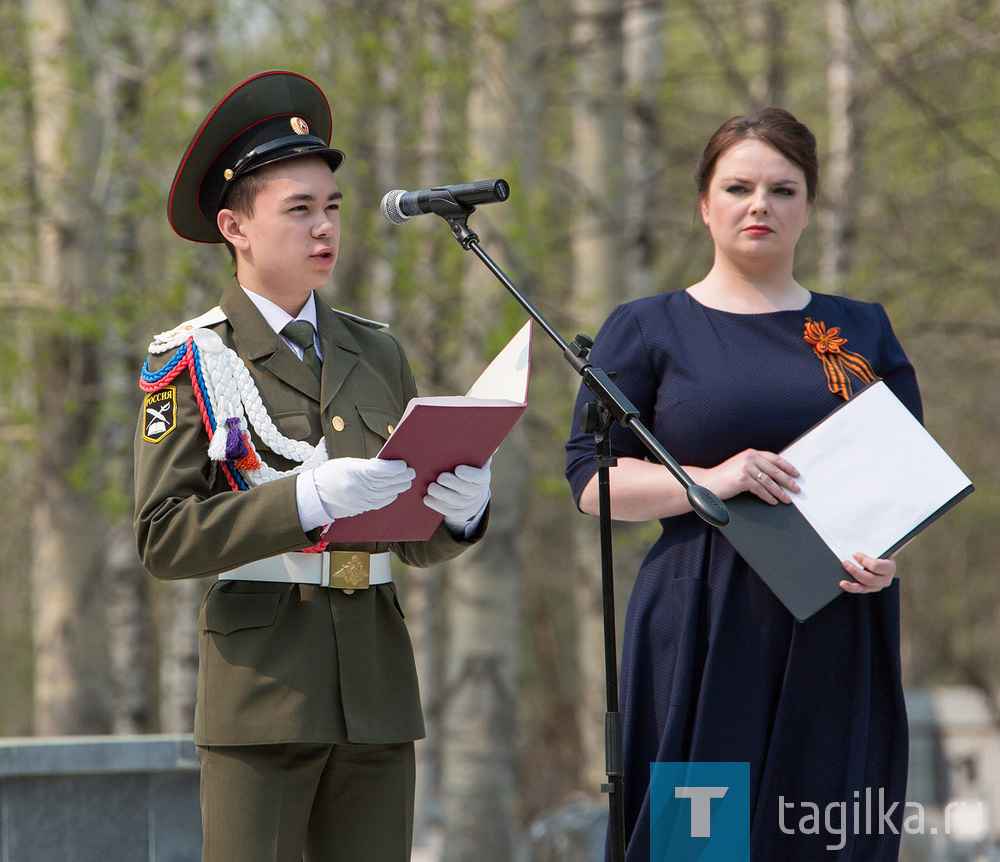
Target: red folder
(436, 434)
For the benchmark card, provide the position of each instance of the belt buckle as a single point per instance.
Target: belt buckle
(349, 570)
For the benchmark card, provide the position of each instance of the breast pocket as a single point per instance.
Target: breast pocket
(378, 423)
(295, 424)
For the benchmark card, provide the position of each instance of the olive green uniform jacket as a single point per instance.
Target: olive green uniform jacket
(286, 662)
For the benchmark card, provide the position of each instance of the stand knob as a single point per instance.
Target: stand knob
(581, 345)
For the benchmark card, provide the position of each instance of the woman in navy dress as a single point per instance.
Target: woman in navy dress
(714, 669)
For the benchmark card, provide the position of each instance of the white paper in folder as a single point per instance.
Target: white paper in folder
(872, 476)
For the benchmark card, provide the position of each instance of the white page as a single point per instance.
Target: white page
(506, 377)
(503, 383)
(870, 473)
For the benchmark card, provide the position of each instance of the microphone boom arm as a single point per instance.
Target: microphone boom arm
(706, 504)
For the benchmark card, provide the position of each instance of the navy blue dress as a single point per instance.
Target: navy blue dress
(714, 668)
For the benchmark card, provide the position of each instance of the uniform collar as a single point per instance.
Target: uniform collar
(277, 318)
(258, 334)
(258, 341)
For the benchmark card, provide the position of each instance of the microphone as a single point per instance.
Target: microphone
(400, 206)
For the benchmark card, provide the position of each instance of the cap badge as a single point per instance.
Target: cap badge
(299, 126)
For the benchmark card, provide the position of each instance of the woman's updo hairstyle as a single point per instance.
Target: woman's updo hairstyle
(774, 126)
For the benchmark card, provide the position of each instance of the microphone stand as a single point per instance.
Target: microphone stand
(610, 406)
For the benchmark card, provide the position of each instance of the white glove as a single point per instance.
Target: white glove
(350, 486)
(460, 496)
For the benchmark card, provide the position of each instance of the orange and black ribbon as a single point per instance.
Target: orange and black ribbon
(837, 362)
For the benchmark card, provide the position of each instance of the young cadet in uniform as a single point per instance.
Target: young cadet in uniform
(252, 438)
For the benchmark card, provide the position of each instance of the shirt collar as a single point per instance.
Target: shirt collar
(277, 318)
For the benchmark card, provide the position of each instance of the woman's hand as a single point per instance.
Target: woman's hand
(763, 474)
(870, 573)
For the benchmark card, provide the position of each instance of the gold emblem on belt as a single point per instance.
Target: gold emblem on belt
(349, 570)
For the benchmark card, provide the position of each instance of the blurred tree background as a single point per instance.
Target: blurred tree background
(595, 111)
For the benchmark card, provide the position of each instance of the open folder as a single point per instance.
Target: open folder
(871, 478)
(436, 434)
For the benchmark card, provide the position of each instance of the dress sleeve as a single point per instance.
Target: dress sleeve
(895, 368)
(619, 348)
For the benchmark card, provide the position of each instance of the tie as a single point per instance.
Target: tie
(300, 333)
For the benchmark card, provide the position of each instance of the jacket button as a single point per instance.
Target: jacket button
(338, 423)
(389, 428)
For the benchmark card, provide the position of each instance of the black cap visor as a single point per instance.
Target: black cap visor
(249, 128)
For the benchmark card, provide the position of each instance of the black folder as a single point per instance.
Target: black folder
(792, 556)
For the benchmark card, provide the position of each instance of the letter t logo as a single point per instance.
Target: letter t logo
(701, 807)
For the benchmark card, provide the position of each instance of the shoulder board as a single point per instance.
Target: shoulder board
(209, 318)
(374, 324)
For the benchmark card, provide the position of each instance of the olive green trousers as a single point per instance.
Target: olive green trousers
(304, 802)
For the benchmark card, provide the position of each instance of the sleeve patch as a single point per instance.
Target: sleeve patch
(159, 414)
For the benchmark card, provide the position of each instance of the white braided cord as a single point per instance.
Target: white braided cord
(232, 393)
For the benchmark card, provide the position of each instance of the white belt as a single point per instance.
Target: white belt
(344, 570)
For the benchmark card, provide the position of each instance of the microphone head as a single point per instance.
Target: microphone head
(390, 209)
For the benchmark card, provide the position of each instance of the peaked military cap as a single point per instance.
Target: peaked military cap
(265, 119)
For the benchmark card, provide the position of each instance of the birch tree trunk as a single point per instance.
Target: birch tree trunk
(592, 700)
(18, 304)
(838, 215)
(425, 595)
(598, 123)
(766, 27)
(644, 40)
(481, 675)
(129, 630)
(67, 528)
(597, 284)
(481, 689)
(386, 164)
(180, 600)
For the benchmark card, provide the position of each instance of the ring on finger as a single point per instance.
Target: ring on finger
(760, 476)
